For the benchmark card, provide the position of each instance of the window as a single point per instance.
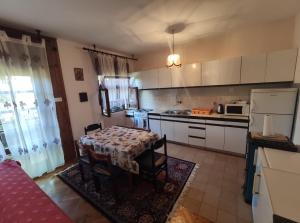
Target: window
(116, 95)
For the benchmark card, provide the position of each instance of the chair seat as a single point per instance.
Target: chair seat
(145, 160)
(84, 159)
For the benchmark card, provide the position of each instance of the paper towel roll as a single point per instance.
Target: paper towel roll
(268, 126)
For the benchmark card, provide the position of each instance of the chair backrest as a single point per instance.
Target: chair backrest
(92, 127)
(97, 158)
(81, 150)
(160, 143)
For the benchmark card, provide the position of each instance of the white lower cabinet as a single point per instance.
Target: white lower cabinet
(235, 139)
(181, 132)
(167, 128)
(154, 126)
(215, 137)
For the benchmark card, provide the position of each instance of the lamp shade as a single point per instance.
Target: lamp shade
(173, 60)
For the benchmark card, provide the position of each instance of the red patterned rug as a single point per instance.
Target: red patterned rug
(142, 203)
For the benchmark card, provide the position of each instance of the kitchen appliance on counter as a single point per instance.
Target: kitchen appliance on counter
(220, 109)
(140, 117)
(239, 109)
(279, 103)
(201, 111)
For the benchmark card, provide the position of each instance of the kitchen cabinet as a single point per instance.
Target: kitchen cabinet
(253, 69)
(215, 136)
(235, 139)
(210, 72)
(281, 65)
(146, 79)
(230, 71)
(154, 125)
(197, 134)
(187, 75)
(167, 128)
(222, 72)
(164, 77)
(181, 132)
(178, 77)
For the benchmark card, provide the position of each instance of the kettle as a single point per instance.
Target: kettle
(220, 109)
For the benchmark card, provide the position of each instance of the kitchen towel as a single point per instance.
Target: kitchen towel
(268, 126)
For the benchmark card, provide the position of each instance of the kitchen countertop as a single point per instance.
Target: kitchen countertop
(213, 116)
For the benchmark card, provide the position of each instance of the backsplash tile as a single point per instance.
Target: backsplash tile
(163, 99)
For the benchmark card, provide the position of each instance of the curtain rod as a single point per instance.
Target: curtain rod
(111, 54)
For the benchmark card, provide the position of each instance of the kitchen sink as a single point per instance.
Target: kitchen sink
(178, 112)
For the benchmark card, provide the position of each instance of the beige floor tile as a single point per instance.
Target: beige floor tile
(191, 204)
(225, 217)
(208, 211)
(211, 199)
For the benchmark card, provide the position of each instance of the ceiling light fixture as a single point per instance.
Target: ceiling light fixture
(173, 60)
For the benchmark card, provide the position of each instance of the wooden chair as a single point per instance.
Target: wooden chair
(152, 163)
(82, 157)
(103, 170)
(92, 127)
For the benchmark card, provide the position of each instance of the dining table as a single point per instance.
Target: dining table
(123, 144)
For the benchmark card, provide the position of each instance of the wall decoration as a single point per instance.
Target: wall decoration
(83, 97)
(78, 72)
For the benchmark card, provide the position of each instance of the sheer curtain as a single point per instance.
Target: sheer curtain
(2, 153)
(27, 106)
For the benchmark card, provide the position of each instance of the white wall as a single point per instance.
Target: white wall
(81, 114)
(296, 137)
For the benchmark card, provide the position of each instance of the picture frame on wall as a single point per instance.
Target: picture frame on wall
(78, 73)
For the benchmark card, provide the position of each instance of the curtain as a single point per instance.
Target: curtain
(2, 152)
(122, 66)
(27, 106)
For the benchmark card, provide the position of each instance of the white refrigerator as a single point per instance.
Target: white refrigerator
(280, 103)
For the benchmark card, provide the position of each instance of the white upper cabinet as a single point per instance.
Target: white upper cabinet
(281, 65)
(253, 69)
(210, 72)
(164, 78)
(192, 74)
(146, 79)
(230, 71)
(178, 79)
(222, 72)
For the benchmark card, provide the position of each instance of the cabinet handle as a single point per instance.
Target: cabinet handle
(256, 183)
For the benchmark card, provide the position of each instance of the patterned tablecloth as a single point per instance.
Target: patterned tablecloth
(123, 144)
(21, 200)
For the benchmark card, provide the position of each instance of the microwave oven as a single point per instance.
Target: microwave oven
(237, 109)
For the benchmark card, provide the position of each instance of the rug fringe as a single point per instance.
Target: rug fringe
(183, 193)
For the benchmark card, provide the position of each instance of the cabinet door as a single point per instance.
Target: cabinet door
(181, 132)
(192, 74)
(253, 69)
(147, 79)
(215, 137)
(164, 78)
(178, 79)
(210, 72)
(281, 65)
(230, 71)
(235, 140)
(167, 128)
(154, 126)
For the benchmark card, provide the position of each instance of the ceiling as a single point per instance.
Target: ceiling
(136, 26)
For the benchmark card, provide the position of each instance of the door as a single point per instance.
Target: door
(181, 132)
(253, 69)
(235, 140)
(282, 124)
(167, 128)
(154, 126)
(281, 65)
(210, 72)
(276, 102)
(261, 204)
(230, 71)
(164, 78)
(215, 137)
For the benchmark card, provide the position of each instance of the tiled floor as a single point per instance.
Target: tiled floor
(215, 192)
